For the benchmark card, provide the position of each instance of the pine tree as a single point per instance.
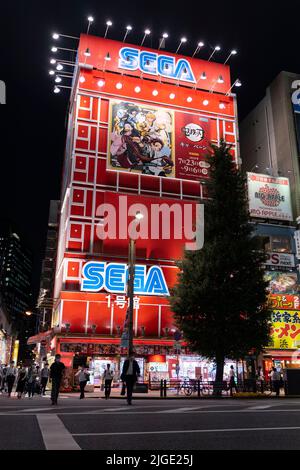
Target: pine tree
(220, 299)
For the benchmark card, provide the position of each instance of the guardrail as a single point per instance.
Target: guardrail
(205, 388)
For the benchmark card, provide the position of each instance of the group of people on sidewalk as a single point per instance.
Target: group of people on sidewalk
(274, 375)
(32, 380)
(29, 380)
(129, 376)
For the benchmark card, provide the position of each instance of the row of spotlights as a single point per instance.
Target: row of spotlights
(137, 89)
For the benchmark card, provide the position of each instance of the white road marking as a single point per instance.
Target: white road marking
(259, 407)
(26, 410)
(179, 410)
(188, 431)
(54, 433)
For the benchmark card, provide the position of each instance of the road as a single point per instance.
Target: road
(175, 424)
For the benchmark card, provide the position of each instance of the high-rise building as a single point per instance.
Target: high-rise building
(16, 280)
(270, 134)
(45, 299)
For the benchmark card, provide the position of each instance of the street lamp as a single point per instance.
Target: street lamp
(130, 286)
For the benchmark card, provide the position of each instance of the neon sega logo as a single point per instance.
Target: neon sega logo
(155, 64)
(113, 277)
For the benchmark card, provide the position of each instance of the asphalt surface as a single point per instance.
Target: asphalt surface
(177, 424)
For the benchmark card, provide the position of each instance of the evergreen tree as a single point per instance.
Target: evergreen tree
(220, 299)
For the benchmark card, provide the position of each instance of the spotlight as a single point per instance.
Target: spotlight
(137, 89)
(58, 80)
(52, 61)
(205, 102)
(172, 96)
(55, 36)
(107, 57)
(119, 85)
(87, 52)
(90, 19)
(222, 106)
(101, 83)
(203, 76)
(82, 79)
(56, 90)
(59, 67)
(51, 72)
(54, 49)
(220, 79)
(154, 92)
(189, 99)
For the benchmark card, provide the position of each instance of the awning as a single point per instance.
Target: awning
(39, 337)
(280, 354)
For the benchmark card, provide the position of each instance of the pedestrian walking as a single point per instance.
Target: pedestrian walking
(11, 374)
(21, 381)
(2, 376)
(44, 378)
(107, 378)
(83, 377)
(56, 374)
(260, 378)
(130, 373)
(232, 383)
(31, 381)
(275, 379)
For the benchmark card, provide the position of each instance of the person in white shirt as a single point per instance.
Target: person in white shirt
(107, 378)
(44, 378)
(11, 374)
(83, 377)
(232, 383)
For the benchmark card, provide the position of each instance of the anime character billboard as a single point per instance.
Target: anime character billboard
(141, 139)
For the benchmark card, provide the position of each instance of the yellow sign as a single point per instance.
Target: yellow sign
(285, 331)
(15, 351)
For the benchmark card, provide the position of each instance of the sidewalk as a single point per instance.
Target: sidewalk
(171, 394)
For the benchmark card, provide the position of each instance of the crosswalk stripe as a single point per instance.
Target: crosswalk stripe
(55, 434)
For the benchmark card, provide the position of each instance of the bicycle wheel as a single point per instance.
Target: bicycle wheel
(188, 391)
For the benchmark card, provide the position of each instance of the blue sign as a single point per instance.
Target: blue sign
(155, 64)
(113, 277)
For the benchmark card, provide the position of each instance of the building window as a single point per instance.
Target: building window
(281, 244)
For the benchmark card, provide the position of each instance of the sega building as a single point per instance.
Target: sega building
(139, 126)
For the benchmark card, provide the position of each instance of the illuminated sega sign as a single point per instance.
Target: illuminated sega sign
(112, 277)
(155, 64)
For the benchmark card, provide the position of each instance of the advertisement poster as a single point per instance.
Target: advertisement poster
(288, 302)
(141, 139)
(269, 197)
(282, 282)
(285, 331)
(192, 134)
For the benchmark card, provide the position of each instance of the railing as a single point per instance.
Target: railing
(200, 388)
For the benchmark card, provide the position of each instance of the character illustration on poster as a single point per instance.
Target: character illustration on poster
(141, 139)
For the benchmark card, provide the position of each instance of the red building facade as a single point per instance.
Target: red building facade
(139, 125)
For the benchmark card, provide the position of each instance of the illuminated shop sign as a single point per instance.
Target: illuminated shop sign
(155, 64)
(112, 277)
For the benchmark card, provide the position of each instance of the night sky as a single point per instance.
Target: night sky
(33, 120)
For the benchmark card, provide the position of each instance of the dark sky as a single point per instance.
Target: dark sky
(33, 120)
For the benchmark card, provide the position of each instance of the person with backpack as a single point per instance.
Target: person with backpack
(107, 378)
(83, 377)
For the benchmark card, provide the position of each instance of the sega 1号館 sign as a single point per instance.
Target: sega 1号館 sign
(113, 277)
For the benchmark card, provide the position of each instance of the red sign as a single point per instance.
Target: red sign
(106, 54)
(288, 302)
(192, 137)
